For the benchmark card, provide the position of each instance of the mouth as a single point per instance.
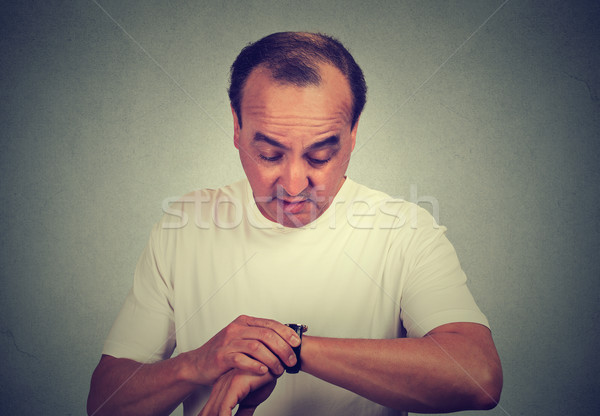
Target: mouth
(293, 206)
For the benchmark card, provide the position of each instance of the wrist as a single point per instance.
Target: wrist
(188, 369)
(311, 353)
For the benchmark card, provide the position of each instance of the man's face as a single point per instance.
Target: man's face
(295, 144)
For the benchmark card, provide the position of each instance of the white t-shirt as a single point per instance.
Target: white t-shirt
(368, 267)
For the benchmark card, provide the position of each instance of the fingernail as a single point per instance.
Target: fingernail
(295, 341)
(292, 359)
(263, 369)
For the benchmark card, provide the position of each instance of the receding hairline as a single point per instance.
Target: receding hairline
(263, 68)
(293, 59)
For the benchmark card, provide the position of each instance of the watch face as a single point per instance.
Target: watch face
(299, 328)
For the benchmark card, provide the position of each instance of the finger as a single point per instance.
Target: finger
(242, 361)
(245, 411)
(260, 391)
(225, 410)
(235, 394)
(284, 331)
(273, 341)
(217, 394)
(253, 355)
(264, 331)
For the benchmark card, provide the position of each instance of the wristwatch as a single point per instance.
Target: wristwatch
(300, 329)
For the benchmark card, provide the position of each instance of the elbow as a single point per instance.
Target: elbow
(486, 402)
(94, 405)
(99, 406)
(91, 409)
(97, 401)
(488, 389)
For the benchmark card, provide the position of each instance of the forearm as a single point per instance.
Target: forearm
(121, 386)
(254, 345)
(438, 373)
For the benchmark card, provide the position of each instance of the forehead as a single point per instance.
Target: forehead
(267, 99)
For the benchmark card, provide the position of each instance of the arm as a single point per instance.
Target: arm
(454, 367)
(122, 386)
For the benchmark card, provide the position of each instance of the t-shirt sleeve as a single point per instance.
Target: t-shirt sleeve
(144, 330)
(435, 289)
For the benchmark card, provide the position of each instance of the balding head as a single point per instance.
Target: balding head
(295, 58)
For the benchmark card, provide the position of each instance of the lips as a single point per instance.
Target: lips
(292, 206)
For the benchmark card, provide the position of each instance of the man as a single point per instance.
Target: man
(297, 242)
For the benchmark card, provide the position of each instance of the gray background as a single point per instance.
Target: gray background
(492, 113)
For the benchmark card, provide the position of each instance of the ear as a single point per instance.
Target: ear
(236, 129)
(353, 133)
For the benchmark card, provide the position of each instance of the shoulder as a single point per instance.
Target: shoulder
(389, 212)
(355, 191)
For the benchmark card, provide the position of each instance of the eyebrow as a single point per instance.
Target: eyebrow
(330, 141)
(259, 137)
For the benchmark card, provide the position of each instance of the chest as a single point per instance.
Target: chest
(341, 287)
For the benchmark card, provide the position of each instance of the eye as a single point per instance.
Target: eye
(269, 158)
(318, 162)
(320, 157)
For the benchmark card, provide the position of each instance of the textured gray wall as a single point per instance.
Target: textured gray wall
(107, 110)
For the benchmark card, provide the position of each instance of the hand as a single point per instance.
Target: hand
(238, 387)
(251, 344)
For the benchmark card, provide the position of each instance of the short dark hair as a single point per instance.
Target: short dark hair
(293, 58)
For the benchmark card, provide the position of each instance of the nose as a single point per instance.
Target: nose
(294, 178)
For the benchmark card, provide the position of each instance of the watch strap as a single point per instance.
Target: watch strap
(300, 329)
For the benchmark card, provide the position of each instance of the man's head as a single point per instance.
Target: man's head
(300, 117)
(294, 58)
